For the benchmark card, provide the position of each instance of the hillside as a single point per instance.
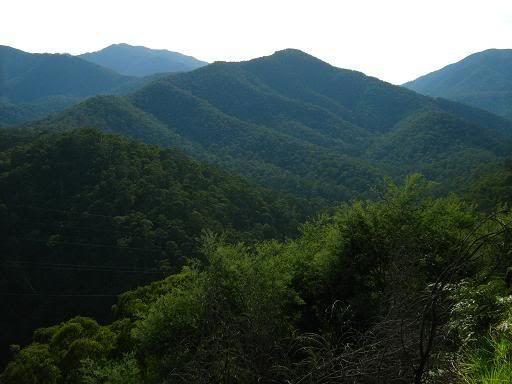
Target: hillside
(483, 80)
(132, 60)
(89, 214)
(293, 122)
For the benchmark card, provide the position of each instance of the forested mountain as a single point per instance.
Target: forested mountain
(483, 80)
(296, 123)
(141, 61)
(85, 216)
(34, 85)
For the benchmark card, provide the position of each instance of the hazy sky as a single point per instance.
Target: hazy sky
(395, 40)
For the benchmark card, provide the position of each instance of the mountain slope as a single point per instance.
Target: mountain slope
(483, 80)
(296, 123)
(141, 61)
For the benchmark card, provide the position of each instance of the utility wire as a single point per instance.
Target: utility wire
(85, 268)
(85, 244)
(57, 295)
(59, 210)
(73, 226)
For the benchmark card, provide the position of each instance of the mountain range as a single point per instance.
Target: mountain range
(483, 80)
(293, 122)
(34, 85)
(132, 60)
(194, 171)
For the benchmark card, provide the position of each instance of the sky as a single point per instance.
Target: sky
(394, 40)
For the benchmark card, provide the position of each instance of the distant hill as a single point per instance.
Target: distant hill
(293, 122)
(141, 61)
(483, 80)
(33, 85)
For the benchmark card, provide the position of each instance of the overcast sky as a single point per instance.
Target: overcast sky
(395, 40)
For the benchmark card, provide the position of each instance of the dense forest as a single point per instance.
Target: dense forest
(86, 216)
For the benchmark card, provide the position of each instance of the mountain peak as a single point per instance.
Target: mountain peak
(293, 53)
(131, 47)
(290, 51)
(142, 61)
(291, 56)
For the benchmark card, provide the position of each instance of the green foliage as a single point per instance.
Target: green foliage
(124, 371)
(33, 365)
(342, 269)
(489, 361)
(477, 308)
(224, 323)
(480, 323)
(61, 353)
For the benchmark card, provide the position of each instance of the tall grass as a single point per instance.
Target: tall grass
(489, 362)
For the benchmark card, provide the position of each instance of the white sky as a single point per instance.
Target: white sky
(395, 40)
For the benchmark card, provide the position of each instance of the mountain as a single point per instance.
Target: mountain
(35, 85)
(295, 123)
(88, 214)
(483, 80)
(132, 60)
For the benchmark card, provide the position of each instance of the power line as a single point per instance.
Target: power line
(83, 228)
(58, 295)
(84, 244)
(73, 265)
(58, 210)
(73, 226)
(86, 268)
